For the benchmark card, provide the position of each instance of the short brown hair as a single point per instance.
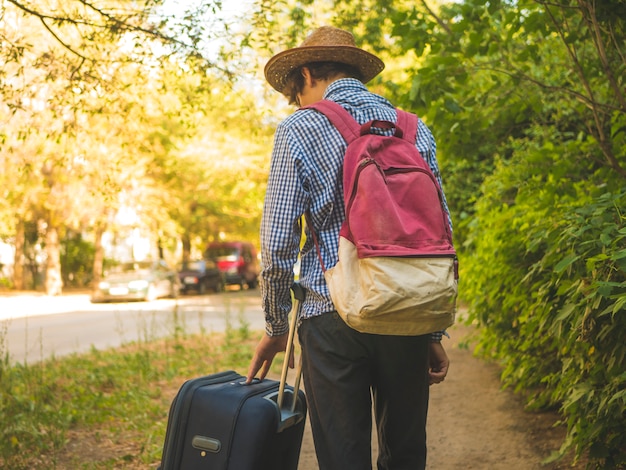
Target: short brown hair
(319, 71)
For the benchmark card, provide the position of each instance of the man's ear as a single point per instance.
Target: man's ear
(306, 73)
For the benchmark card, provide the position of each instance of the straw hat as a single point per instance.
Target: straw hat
(325, 44)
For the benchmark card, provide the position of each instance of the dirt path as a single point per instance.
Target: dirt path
(473, 424)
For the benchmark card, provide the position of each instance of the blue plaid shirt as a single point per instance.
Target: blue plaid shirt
(305, 175)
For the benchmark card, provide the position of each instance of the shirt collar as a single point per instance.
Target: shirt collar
(343, 85)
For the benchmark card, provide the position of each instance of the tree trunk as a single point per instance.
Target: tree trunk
(160, 248)
(54, 282)
(98, 258)
(18, 260)
(186, 241)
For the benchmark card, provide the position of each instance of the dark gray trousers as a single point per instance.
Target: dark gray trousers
(345, 370)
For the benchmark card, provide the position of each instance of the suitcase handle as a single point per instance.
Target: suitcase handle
(298, 293)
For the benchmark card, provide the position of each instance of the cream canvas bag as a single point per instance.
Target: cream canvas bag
(393, 295)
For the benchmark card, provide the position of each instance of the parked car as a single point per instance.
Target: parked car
(237, 261)
(199, 276)
(138, 280)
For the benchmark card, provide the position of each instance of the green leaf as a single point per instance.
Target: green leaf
(565, 312)
(619, 305)
(566, 262)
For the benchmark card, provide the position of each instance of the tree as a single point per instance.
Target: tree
(71, 79)
(220, 172)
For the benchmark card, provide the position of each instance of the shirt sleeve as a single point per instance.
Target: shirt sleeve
(436, 336)
(427, 146)
(280, 231)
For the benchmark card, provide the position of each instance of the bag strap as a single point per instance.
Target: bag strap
(350, 129)
(339, 117)
(408, 123)
(309, 223)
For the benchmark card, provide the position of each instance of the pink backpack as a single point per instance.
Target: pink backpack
(397, 271)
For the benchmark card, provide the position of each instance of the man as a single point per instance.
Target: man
(343, 370)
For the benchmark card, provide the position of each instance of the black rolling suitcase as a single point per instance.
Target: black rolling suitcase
(217, 422)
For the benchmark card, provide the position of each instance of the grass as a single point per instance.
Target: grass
(106, 409)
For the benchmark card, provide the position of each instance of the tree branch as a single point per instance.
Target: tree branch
(593, 104)
(593, 25)
(437, 19)
(116, 26)
(63, 43)
(586, 101)
(512, 71)
(114, 23)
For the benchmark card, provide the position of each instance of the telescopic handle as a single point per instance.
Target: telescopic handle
(298, 294)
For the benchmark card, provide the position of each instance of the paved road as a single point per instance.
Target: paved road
(34, 327)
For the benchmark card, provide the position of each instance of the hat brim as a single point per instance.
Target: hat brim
(282, 64)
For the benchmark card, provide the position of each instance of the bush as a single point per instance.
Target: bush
(547, 281)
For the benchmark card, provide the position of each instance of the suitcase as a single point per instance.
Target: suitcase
(217, 422)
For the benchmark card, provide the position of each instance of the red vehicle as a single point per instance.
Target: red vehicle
(237, 261)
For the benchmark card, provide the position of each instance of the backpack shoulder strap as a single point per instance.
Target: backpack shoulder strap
(407, 123)
(350, 129)
(339, 117)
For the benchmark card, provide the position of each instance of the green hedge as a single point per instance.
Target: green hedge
(546, 280)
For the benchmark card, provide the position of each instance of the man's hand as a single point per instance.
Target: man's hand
(439, 363)
(264, 354)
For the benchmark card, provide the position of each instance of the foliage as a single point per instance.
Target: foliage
(549, 286)
(76, 260)
(482, 72)
(215, 173)
(106, 109)
(91, 31)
